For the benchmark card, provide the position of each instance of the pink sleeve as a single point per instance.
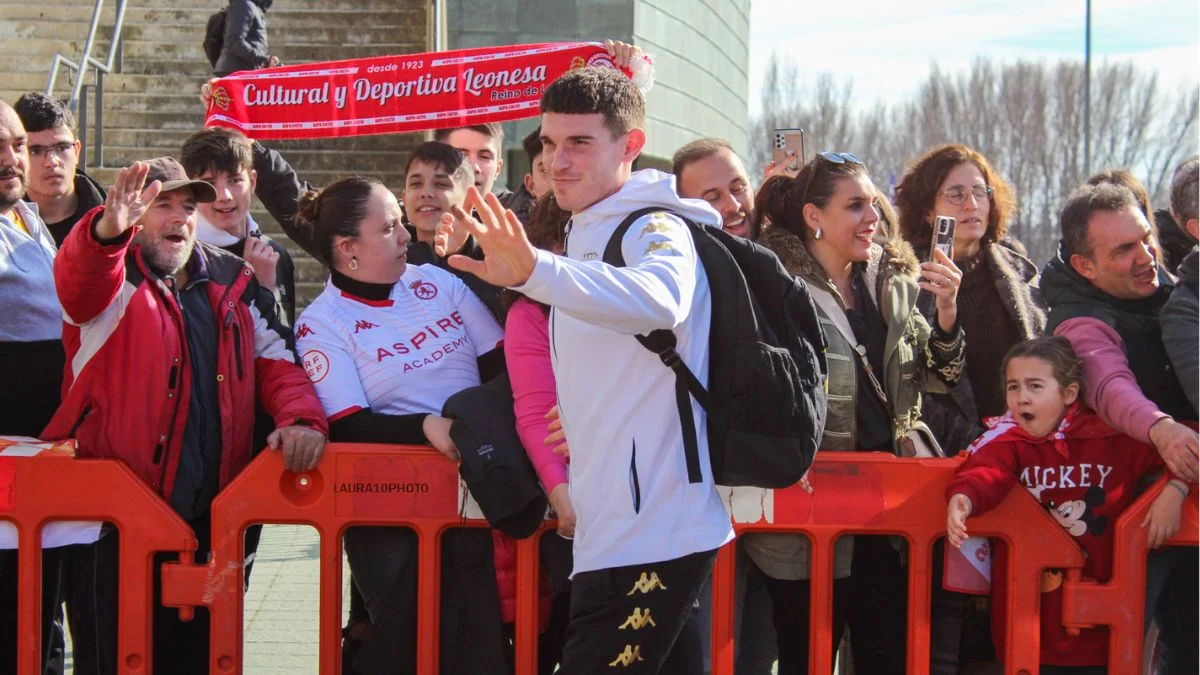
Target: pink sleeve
(1112, 391)
(527, 352)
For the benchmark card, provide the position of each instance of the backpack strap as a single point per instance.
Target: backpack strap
(662, 342)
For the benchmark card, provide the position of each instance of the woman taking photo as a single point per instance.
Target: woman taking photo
(385, 345)
(882, 354)
(956, 181)
(999, 305)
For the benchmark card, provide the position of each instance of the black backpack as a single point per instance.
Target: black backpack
(214, 36)
(766, 395)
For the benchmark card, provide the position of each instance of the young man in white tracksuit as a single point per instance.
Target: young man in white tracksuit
(645, 537)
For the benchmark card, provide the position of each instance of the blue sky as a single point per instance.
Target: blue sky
(887, 46)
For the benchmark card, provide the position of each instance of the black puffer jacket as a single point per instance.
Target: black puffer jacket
(1175, 243)
(245, 46)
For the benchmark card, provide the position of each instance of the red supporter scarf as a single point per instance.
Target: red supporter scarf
(395, 94)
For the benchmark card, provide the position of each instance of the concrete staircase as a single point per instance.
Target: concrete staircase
(152, 104)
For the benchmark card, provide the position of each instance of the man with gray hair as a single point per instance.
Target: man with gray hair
(1179, 316)
(144, 304)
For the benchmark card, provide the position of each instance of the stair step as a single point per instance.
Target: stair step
(394, 180)
(34, 54)
(24, 35)
(153, 103)
(362, 161)
(306, 292)
(322, 29)
(165, 52)
(170, 140)
(309, 270)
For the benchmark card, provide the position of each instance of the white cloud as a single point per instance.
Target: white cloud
(886, 48)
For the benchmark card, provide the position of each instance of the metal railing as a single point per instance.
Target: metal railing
(78, 99)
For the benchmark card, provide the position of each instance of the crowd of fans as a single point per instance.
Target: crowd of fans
(173, 320)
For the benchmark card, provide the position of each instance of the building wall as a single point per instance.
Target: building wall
(702, 53)
(700, 47)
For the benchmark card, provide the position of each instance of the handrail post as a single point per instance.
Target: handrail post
(83, 127)
(54, 63)
(87, 52)
(79, 89)
(115, 50)
(99, 131)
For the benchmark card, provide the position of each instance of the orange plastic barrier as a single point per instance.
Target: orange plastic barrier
(37, 490)
(417, 488)
(1091, 603)
(880, 494)
(354, 485)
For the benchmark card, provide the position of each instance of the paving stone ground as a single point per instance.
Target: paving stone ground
(282, 603)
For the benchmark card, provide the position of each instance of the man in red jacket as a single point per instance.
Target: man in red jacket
(170, 344)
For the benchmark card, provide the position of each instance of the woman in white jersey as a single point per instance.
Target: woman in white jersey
(385, 345)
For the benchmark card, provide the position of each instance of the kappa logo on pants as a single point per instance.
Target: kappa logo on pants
(645, 584)
(631, 655)
(638, 620)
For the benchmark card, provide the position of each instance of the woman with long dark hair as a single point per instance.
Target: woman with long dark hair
(882, 355)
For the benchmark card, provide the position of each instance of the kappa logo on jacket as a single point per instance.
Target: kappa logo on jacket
(631, 655)
(639, 619)
(646, 584)
(362, 325)
(303, 331)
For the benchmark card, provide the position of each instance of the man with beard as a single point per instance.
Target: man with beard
(32, 353)
(709, 169)
(62, 191)
(171, 345)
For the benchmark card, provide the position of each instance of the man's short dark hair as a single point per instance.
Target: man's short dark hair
(533, 144)
(587, 91)
(447, 157)
(1185, 191)
(1084, 202)
(39, 112)
(216, 149)
(491, 130)
(1127, 180)
(696, 151)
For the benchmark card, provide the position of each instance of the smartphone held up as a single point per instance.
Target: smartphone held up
(787, 150)
(943, 236)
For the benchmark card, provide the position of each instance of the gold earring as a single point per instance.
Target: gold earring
(353, 263)
(818, 233)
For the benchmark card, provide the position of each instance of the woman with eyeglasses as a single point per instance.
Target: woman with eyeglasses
(882, 354)
(999, 305)
(999, 302)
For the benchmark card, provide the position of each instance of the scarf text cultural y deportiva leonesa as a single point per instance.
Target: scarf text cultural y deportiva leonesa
(395, 94)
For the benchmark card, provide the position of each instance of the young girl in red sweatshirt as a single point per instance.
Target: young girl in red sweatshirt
(1081, 470)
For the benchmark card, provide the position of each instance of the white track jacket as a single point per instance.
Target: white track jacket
(628, 477)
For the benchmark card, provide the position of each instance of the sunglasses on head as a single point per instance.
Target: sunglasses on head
(832, 158)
